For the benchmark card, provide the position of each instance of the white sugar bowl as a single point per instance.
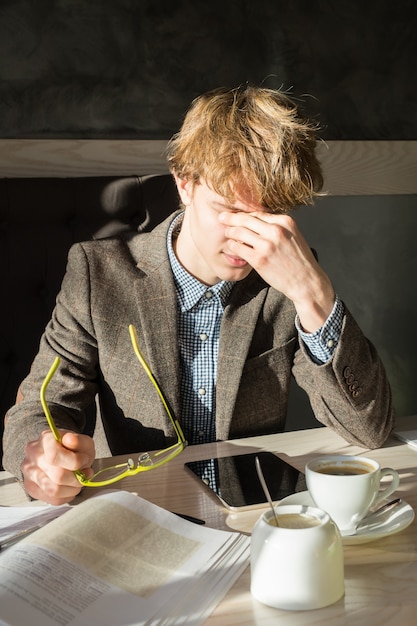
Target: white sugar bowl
(299, 564)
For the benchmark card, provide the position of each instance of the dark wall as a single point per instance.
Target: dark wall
(367, 246)
(129, 68)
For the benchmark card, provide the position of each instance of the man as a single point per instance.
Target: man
(227, 299)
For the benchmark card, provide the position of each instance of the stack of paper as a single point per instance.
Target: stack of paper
(118, 559)
(17, 522)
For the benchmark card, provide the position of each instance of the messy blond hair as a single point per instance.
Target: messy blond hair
(252, 138)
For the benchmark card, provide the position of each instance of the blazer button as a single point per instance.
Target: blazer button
(347, 372)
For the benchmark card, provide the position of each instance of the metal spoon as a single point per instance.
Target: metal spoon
(372, 518)
(265, 488)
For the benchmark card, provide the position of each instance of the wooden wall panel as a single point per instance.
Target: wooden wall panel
(350, 167)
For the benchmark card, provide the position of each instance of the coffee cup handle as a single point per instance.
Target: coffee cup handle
(391, 487)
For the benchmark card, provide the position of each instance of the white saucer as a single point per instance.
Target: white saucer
(393, 522)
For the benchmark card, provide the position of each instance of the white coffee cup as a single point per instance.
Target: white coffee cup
(348, 486)
(299, 564)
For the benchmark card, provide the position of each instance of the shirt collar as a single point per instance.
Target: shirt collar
(189, 289)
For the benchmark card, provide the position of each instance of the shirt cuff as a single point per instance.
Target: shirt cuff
(323, 342)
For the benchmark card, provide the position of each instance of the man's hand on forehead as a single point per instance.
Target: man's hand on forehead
(273, 245)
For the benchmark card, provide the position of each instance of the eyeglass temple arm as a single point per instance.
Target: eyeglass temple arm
(78, 473)
(134, 340)
(45, 407)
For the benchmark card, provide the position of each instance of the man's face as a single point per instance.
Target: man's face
(202, 247)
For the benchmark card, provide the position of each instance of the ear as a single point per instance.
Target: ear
(185, 189)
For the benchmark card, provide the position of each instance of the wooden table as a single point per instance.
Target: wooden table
(380, 576)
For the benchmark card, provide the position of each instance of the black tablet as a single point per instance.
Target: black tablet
(234, 479)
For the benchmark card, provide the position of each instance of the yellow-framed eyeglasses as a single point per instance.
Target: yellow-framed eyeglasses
(146, 460)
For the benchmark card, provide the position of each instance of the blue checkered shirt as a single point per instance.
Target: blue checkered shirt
(200, 310)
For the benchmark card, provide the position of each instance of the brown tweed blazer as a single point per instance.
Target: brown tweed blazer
(112, 283)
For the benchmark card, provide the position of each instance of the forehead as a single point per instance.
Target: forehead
(243, 199)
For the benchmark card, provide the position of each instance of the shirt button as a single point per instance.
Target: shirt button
(201, 433)
(208, 295)
(330, 343)
(203, 337)
(201, 391)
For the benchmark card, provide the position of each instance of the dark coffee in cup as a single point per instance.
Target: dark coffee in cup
(345, 470)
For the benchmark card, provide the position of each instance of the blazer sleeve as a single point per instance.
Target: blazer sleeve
(69, 335)
(351, 392)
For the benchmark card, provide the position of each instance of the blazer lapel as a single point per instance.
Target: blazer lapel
(238, 325)
(154, 291)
